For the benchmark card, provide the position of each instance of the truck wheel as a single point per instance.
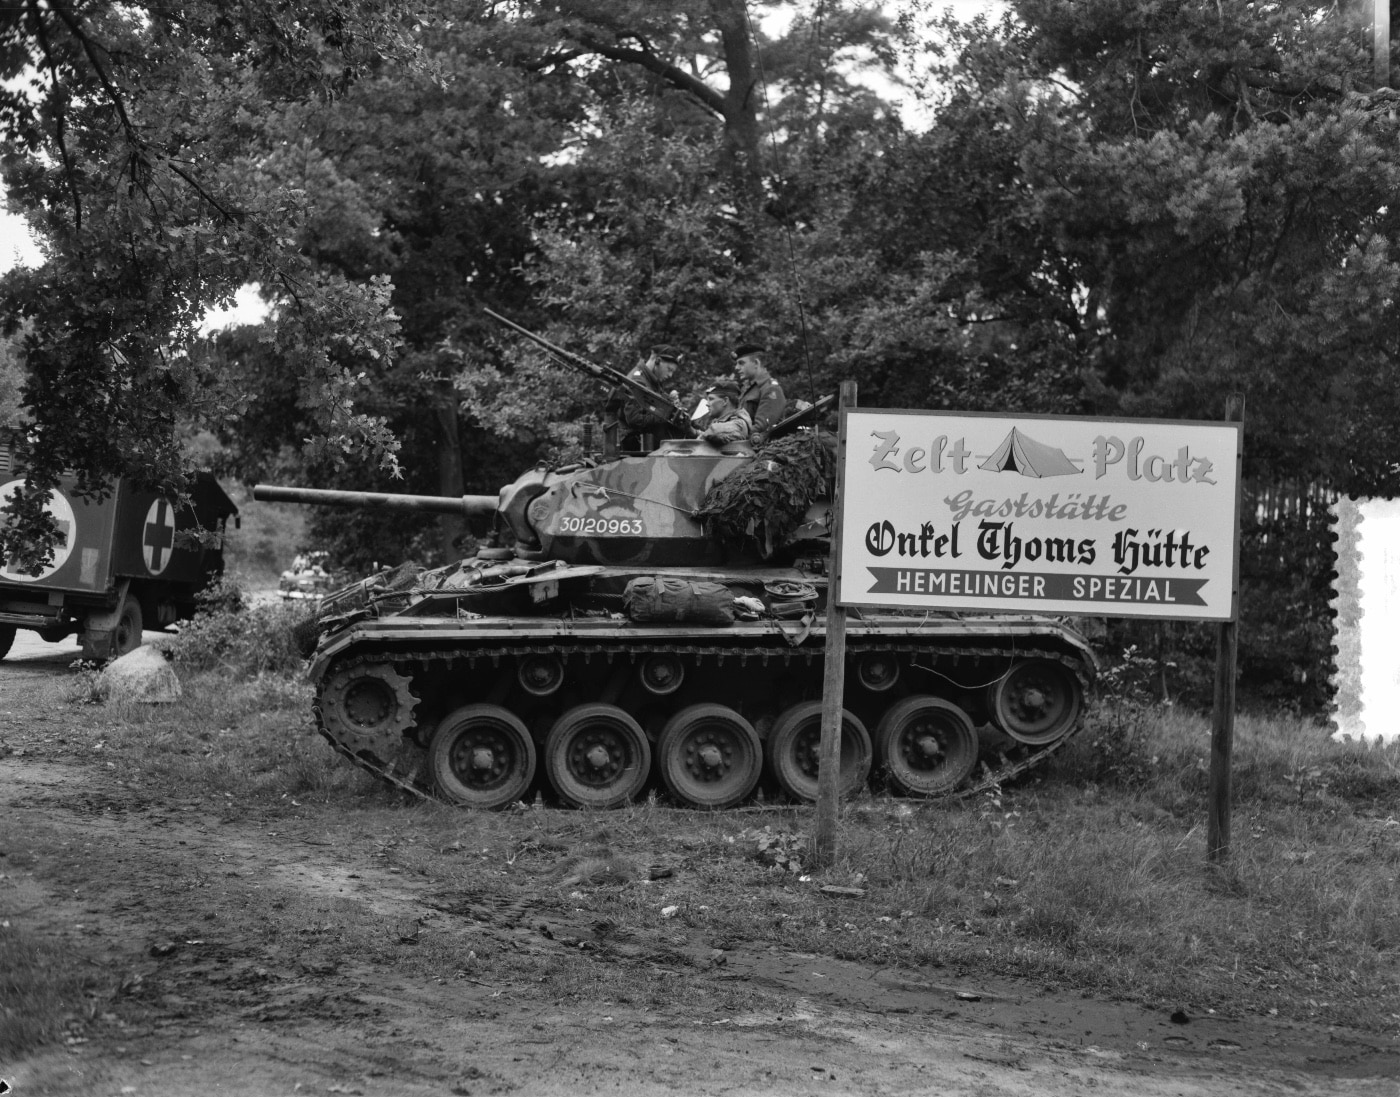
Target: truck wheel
(127, 635)
(7, 637)
(101, 643)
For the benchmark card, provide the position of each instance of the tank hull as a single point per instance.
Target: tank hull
(489, 683)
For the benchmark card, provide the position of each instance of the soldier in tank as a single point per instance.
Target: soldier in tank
(727, 421)
(760, 395)
(631, 421)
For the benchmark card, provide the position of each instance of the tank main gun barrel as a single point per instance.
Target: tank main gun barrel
(465, 505)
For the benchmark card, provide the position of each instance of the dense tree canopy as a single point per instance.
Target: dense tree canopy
(1116, 206)
(1190, 199)
(142, 140)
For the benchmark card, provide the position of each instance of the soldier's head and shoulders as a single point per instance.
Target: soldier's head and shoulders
(659, 366)
(751, 367)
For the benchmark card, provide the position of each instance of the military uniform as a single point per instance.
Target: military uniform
(637, 424)
(733, 425)
(764, 401)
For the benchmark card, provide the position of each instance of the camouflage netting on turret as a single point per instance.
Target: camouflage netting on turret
(760, 504)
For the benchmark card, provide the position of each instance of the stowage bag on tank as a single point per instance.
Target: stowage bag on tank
(656, 599)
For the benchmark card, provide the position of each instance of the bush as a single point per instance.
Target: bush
(1113, 747)
(229, 633)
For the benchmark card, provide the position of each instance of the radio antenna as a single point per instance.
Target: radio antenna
(787, 224)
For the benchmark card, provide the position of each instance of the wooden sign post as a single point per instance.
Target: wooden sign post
(834, 671)
(1222, 731)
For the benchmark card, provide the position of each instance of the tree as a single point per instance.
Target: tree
(138, 140)
(1201, 198)
(675, 246)
(1192, 199)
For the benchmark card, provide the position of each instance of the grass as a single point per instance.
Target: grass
(41, 984)
(1091, 876)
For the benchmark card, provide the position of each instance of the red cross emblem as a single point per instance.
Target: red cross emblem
(159, 537)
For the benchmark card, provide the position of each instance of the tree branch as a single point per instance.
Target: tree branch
(549, 61)
(90, 50)
(69, 172)
(672, 74)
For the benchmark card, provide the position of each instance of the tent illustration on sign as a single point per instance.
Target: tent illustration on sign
(1021, 453)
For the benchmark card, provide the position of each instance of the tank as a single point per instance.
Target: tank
(616, 634)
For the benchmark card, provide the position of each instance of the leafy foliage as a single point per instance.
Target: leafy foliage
(137, 142)
(1128, 209)
(757, 506)
(239, 638)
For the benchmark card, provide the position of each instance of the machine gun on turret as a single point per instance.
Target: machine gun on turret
(810, 414)
(676, 418)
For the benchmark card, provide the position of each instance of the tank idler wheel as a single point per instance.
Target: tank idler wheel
(368, 707)
(927, 745)
(597, 756)
(1036, 702)
(794, 747)
(661, 675)
(540, 675)
(710, 756)
(481, 756)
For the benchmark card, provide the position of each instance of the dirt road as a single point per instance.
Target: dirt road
(239, 950)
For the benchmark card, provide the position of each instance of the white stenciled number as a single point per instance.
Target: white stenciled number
(601, 526)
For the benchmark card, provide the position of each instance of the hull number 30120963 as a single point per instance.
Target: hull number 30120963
(603, 527)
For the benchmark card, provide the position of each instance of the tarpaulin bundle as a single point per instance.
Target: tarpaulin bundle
(658, 599)
(758, 505)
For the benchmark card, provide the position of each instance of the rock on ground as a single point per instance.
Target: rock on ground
(141, 675)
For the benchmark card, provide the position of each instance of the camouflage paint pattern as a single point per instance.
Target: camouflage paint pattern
(636, 510)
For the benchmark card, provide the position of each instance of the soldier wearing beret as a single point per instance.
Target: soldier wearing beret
(727, 421)
(759, 395)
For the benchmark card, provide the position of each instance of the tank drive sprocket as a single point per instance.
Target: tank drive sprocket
(367, 707)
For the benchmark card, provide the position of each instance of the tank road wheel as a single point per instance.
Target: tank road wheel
(794, 747)
(927, 745)
(597, 756)
(368, 706)
(1037, 701)
(481, 756)
(711, 756)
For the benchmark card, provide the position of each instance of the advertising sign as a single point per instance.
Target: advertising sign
(1039, 514)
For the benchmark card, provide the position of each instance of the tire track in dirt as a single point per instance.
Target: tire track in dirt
(203, 983)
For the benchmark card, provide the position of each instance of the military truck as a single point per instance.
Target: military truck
(125, 563)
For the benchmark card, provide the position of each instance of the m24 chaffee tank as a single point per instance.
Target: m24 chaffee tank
(613, 638)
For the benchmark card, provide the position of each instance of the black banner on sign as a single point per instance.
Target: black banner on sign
(1038, 586)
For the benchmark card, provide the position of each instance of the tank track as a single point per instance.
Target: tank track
(1009, 762)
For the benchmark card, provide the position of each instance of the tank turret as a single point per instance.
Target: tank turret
(657, 621)
(633, 510)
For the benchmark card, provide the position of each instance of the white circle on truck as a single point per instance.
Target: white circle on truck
(62, 511)
(158, 536)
